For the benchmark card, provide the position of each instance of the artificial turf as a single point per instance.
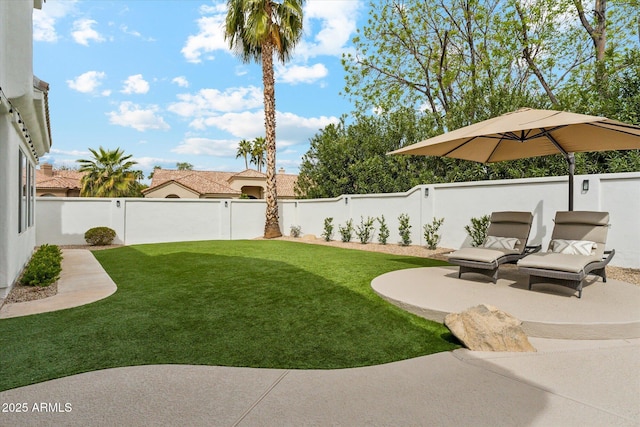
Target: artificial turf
(270, 304)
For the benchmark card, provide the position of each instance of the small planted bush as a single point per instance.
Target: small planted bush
(365, 230)
(295, 231)
(404, 228)
(383, 233)
(44, 267)
(431, 236)
(477, 230)
(346, 232)
(327, 234)
(99, 236)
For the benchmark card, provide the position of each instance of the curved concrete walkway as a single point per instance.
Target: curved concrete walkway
(568, 383)
(82, 281)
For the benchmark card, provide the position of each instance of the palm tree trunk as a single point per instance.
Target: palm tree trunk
(272, 223)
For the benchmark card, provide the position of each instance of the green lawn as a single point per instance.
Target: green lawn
(272, 304)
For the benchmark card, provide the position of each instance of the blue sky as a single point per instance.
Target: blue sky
(156, 79)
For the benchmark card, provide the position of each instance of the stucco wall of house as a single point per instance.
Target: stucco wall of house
(21, 114)
(171, 189)
(167, 220)
(15, 248)
(16, 49)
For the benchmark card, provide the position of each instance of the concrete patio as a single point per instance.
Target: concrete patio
(566, 382)
(606, 310)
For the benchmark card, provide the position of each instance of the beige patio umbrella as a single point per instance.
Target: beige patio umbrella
(530, 133)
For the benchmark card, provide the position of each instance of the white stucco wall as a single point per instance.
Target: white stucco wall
(23, 127)
(64, 221)
(15, 248)
(16, 49)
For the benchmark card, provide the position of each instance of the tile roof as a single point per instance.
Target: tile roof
(214, 182)
(58, 179)
(285, 184)
(249, 173)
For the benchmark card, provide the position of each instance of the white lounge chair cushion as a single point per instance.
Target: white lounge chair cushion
(482, 254)
(494, 242)
(573, 247)
(558, 261)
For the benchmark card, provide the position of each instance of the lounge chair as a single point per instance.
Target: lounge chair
(577, 248)
(506, 242)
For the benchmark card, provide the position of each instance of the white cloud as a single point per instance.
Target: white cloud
(88, 82)
(83, 32)
(126, 30)
(337, 21)
(210, 101)
(133, 116)
(291, 128)
(301, 74)
(45, 19)
(147, 163)
(206, 146)
(75, 153)
(181, 81)
(135, 84)
(210, 35)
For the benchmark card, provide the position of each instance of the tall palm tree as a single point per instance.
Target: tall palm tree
(108, 174)
(244, 150)
(255, 29)
(258, 151)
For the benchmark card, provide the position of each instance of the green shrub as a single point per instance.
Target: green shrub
(404, 229)
(365, 230)
(44, 267)
(295, 231)
(327, 234)
(99, 236)
(346, 232)
(383, 233)
(478, 230)
(431, 236)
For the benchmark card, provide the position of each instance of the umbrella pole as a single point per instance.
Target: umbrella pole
(571, 159)
(572, 168)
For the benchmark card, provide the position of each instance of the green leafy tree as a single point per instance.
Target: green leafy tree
(152, 172)
(256, 29)
(109, 174)
(404, 229)
(244, 150)
(352, 159)
(258, 152)
(463, 61)
(477, 230)
(184, 166)
(383, 233)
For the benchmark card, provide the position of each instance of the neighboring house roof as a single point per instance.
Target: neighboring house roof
(248, 173)
(214, 182)
(47, 177)
(286, 184)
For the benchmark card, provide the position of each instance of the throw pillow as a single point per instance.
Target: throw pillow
(573, 247)
(494, 242)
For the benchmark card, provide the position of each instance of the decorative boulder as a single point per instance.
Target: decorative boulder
(486, 328)
(310, 237)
